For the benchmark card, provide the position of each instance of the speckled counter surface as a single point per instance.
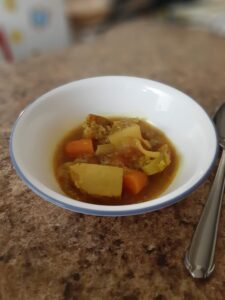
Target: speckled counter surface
(50, 253)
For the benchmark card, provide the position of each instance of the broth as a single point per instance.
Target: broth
(157, 184)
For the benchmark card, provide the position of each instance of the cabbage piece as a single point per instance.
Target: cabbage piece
(165, 150)
(152, 154)
(146, 143)
(135, 143)
(158, 164)
(104, 149)
(97, 180)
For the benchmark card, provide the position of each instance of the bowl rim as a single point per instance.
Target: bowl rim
(110, 210)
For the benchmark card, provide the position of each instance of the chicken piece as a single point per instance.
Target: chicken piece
(97, 128)
(99, 120)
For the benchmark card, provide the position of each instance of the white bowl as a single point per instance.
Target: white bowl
(44, 122)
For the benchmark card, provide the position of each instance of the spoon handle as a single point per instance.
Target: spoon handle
(199, 259)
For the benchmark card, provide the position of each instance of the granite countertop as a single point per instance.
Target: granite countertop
(50, 253)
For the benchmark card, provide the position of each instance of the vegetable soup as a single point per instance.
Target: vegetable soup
(115, 161)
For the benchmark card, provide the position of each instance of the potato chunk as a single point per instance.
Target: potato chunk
(97, 180)
(133, 131)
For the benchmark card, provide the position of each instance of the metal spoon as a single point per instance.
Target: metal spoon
(199, 259)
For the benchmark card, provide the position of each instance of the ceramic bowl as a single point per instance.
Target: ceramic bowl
(44, 123)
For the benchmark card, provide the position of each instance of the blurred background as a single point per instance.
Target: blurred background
(29, 28)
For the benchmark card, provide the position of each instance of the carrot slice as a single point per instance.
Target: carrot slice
(134, 181)
(77, 147)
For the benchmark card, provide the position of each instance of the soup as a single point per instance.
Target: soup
(115, 161)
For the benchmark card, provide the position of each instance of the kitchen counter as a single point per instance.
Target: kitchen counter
(49, 253)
